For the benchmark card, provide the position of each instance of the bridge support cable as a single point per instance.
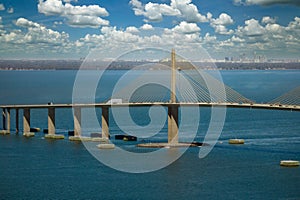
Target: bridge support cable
(290, 98)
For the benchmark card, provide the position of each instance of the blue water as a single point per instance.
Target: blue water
(36, 168)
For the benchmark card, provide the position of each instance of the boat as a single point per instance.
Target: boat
(236, 141)
(125, 137)
(289, 163)
(35, 129)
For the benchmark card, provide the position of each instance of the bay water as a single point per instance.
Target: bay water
(36, 168)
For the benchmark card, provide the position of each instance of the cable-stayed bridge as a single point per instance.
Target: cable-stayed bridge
(172, 89)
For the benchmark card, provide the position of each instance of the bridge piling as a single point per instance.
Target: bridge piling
(17, 120)
(51, 121)
(105, 122)
(8, 119)
(26, 123)
(3, 118)
(26, 120)
(173, 124)
(51, 125)
(77, 121)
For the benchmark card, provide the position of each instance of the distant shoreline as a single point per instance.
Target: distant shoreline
(128, 65)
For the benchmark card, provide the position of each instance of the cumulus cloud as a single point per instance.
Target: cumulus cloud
(132, 29)
(113, 41)
(153, 11)
(294, 25)
(26, 23)
(220, 23)
(37, 33)
(179, 8)
(209, 39)
(266, 2)
(252, 28)
(223, 19)
(187, 28)
(78, 16)
(146, 27)
(1, 26)
(2, 7)
(268, 20)
(188, 11)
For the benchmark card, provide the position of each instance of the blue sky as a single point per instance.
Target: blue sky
(70, 29)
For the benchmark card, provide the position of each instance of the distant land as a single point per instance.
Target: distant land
(126, 65)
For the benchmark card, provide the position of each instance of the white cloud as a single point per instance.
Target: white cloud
(266, 2)
(223, 19)
(153, 11)
(10, 10)
(2, 7)
(220, 23)
(187, 28)
(78, 16)
(132, 29)
(209, 39)
(237, 2)
(237, 39)
(1, 26)
(146, 27)
(294, 25)
(69, 1)
(82, 21)
(37, 33)
(179, 8)
(268, 20)
(252, 28)
(188, 11)
(26, 23)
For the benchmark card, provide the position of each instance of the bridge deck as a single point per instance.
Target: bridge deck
(166, 104)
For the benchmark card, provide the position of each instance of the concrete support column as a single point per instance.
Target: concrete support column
(8, 119)
(26, 120)
(105, 122)
(173, 124)
(17, 120)
(77, 121)
(51, 121)
(4, 118)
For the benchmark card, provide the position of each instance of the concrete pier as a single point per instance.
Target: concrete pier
(17, 120)
(51, 125)
(173, 124)
(3, 118)
(105, 122)
(26, 123)
(77, 121)
(51, 120)
(8, 120)
(26, 120)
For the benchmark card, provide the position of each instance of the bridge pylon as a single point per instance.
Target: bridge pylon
(173, 109)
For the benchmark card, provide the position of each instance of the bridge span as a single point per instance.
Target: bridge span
(232, 99)
(165, 104)
(172, 114)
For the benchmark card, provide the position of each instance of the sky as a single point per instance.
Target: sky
(72, 29)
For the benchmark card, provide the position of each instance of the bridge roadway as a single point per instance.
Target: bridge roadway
(166, 104)
(172, 115)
